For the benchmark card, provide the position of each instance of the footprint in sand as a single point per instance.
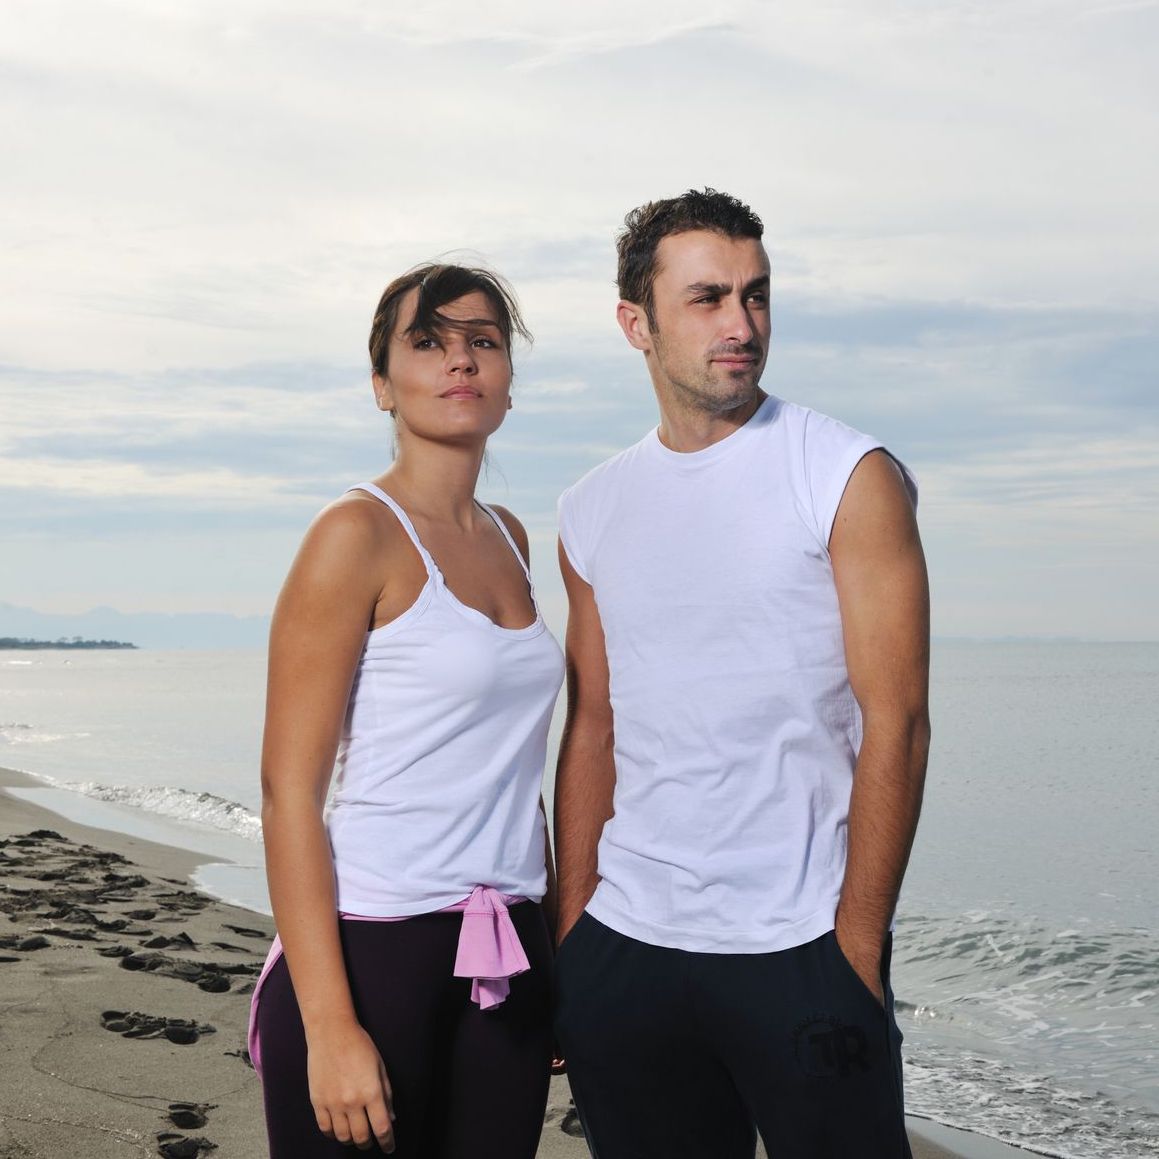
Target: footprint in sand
(212, 977)
(19, 942)
(570, 1123)
(70, 935)
(190, 1116)
(134, 1024)
(245, 932)
(174, 1146)
(177, 941)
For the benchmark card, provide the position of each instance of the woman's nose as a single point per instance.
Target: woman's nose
(460, 357)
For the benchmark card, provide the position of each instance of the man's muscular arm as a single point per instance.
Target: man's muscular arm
(883, 594)
(585, 777)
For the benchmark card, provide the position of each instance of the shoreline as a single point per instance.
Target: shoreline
(125, 994)
(228, 864)
(81, 894)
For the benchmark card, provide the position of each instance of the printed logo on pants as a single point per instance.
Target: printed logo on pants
(827, 1048)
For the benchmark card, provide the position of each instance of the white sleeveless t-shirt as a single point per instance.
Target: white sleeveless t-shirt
(441, 760)
(736, 731)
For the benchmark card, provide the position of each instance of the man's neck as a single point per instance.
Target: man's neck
(687, 429)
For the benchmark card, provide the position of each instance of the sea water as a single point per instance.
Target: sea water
(1027, 952)
(1026, 959)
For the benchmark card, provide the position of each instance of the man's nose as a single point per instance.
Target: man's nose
(738, 324)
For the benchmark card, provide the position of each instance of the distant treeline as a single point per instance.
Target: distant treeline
(22, 644)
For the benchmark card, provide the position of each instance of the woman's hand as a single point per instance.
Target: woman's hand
(350, 1090)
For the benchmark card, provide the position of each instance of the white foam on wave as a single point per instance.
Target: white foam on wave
(27, 734)
(1036, 1036)
(179, 804)
(987, 1097)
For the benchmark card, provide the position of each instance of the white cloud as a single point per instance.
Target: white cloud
(199, 198)
(101, 479)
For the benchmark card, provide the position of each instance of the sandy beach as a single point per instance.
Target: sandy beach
(125, 995)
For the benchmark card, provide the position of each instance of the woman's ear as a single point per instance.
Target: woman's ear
(383, 395)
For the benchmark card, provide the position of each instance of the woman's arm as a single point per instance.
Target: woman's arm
(318, 632)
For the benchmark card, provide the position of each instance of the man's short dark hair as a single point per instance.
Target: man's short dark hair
(645, 227)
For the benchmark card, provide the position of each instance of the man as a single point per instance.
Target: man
(746, 739)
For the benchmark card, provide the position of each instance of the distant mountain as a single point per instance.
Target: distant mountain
(62, 643)
(145, 629)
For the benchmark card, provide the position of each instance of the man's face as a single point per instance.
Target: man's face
(710, 338)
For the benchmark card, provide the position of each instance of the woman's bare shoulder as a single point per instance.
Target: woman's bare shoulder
(518, 533)
(356, 524)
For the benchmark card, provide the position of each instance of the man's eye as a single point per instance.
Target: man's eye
(707, 300)
(759, 299)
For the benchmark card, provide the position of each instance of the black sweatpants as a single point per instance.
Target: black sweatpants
(466, 1082)
(678, 1055)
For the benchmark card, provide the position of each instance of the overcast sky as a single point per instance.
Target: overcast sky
(202, 203)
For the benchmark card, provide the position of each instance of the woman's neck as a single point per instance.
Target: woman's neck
(436, 481)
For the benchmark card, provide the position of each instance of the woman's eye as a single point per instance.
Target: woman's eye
(486, 343)
(424, 344)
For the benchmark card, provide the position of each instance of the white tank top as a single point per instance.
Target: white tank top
(442, 754)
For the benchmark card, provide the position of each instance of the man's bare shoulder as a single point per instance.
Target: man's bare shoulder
(878, 486)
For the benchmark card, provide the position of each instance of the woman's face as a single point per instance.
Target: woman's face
(451, 385)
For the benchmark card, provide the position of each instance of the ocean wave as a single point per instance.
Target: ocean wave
(18, 733)
(1033, 1111)
(1042, 1036)
(180, 804)
(978, 960)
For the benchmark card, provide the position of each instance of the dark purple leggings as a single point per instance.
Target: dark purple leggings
(466, 1082)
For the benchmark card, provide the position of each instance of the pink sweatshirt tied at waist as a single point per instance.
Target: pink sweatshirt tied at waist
(490, 952)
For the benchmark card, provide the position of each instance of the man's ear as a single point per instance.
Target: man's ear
(633, 320)
(383, 395)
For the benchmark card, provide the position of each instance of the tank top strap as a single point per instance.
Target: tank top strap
(507, 536)
(404, 519)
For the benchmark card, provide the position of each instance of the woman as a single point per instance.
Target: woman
(407, 641)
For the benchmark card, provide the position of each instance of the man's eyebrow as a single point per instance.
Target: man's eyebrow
(718, 289)
(723, 289)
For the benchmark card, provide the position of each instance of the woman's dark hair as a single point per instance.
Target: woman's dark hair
(646, 227)
(438, 285)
